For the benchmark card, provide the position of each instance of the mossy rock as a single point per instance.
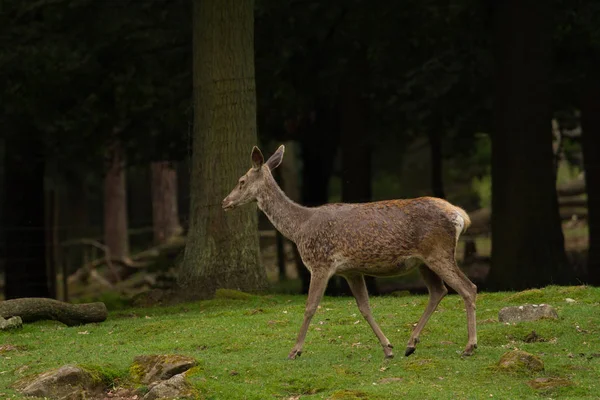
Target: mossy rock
(66, 382)
(232, 294)
(549, 383)
(151, 368)
(520, 362)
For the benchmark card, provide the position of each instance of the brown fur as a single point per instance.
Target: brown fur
(379, 239)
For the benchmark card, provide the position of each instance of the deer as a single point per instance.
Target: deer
(379, 238)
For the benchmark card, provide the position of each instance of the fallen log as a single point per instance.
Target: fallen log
(137, 261)
(572, 202)
(37, 309)
(575, 187)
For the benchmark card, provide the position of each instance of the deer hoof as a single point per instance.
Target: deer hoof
(388, 351)
(294, 354)
(469, 350)
(409, 351)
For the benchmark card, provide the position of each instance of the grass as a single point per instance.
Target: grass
(242, 344)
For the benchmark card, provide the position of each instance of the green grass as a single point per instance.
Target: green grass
(242, 344)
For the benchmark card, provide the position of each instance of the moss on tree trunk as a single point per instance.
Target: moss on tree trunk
(222, 249)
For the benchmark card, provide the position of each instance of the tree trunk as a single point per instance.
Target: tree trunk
(222, 250)
(25, 239)
(527, 240)
(437, 180)
(165, 215)
(52, 234)
(356, 149)
(115, 205)
(590, 125)
(319, 138)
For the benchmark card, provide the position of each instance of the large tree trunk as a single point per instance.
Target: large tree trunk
(115, 205)
(527, 240)
(222, 250)
(165, 215)
(25, 239)
(590, 124)
(356, 149)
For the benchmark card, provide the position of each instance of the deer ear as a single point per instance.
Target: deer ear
(257, 158)
(274, 161)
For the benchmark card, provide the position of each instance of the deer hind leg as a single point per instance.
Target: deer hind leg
(437, 291)
(318, 283)
(359, 290)
(445, 267)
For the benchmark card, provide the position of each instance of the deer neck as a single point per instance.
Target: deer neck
(285, 215)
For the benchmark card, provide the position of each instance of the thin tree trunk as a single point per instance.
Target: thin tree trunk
(115, 204)
(25, 251)
(437, 180)
(527, 240)
(590, 124)
(356, 149)
(52, 237)
(319, 139)
(165, 213)
(222, 250)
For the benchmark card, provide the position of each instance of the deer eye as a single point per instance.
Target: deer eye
(242, 183)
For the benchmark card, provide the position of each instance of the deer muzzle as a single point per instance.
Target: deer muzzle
(227, 204)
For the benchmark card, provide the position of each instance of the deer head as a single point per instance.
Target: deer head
(251, 183)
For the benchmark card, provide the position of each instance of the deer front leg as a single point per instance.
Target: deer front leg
(318, 283)
(359, 290)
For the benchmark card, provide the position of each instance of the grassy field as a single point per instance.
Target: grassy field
(242, 345)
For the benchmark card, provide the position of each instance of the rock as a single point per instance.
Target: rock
(176, 387)
(520, 361)
(533, 337)
(151, 368)
(548, 383)
(66, 383)
(11, 323)
(528, 312)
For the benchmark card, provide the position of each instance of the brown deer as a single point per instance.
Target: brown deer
(383, 238)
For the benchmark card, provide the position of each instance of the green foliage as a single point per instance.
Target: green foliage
(483, 187)
(244, 353)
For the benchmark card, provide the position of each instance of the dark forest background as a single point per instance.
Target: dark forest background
(493, 105)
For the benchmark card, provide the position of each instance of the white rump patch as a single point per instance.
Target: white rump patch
(459, 224)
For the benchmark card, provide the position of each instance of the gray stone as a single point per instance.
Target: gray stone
(65, 383)
(177, 387)
(520, 361)
(528, 312)
(11, 323)
(151, 368)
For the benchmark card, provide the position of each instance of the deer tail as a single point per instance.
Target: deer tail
(465, 217)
